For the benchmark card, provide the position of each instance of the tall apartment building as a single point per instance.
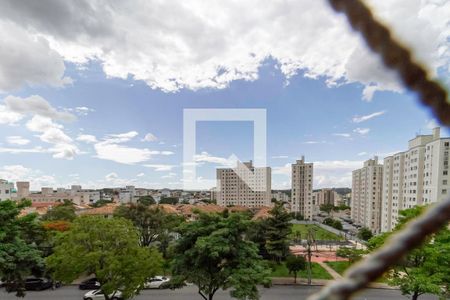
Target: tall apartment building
(367, 184)
(244, 185)
(302, 188)
(418, 176)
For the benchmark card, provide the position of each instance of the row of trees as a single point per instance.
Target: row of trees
(217, 251)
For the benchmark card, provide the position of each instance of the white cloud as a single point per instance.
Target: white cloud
(315, 142)
(160, 167)
(36, 105)
(150, 137)
(280, 156)
(52, 133)
(431, 124)
(23, 150)
(9, 117)
(206, 157)
(140, 174)
(121, 154)
(87, 138)
(36, 178)
(17, 140)
(362, 153)
(26, 58)
(361, 131)
(170, 175)
(111, 148)
(346, 135)
(111, 176)
(206, 44)
(359, 119)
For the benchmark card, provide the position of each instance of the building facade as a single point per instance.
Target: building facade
(367, 186)
(244, 185)
(302, 188)
(7, 190)
(418, 176)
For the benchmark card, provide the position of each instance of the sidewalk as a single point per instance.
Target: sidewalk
(321, 282)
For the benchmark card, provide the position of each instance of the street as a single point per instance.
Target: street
(190, 293)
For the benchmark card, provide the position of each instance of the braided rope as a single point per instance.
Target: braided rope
(431, 94)
(396, 57)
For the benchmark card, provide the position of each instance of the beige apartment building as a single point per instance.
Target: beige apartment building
(367, 184)
(245, 185)
(418, 176)
(302, 188)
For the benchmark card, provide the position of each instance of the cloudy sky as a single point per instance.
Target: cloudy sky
(93, 92)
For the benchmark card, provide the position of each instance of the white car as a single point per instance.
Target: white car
(98, 294)
(156, 282)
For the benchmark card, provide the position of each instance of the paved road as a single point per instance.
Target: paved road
(190, 293)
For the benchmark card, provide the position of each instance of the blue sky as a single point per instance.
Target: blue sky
(86, 121)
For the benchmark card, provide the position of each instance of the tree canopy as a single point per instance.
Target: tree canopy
(213, 253)
(64, 212)
(108, 248)
(295, 264)
(19, 255)
(152, 222)
(365, 234)
(278, 228)
(425, 269)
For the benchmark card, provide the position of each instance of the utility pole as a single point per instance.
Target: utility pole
(309, 242)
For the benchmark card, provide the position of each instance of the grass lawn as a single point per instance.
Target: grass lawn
(320, 233)
(317, 272)
(338, 266)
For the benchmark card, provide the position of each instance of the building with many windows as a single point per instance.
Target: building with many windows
(302, 188)
(418, 176)
(367, 184)
(245, 185)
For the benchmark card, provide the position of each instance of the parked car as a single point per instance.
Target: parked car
(157, 282)
(35, 284)
(98, 294)
(89, 284)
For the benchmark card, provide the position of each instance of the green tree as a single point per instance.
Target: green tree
(64, 212)
(423, 270)
(365, 234)
(352, 254)
(295, 264)
(213, 253)
(333, 223)
(278, 229)
(108, 248)
(153, 223)
(169, 200)
(19, 255)
(327, 208)
(146, 200)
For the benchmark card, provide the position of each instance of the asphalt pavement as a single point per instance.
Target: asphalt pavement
(190, 293)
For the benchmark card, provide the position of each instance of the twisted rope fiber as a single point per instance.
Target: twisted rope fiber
(396, 57)
(431, 94)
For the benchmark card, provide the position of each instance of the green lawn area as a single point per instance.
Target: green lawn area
(320, 234)
(338, 266)
(317, 272)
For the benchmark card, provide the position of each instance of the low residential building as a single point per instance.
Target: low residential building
(7, 190)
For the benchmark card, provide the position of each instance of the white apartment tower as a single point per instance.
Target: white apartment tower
(367, 184)
(418, 176)
(302, 188)
(245, 185)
